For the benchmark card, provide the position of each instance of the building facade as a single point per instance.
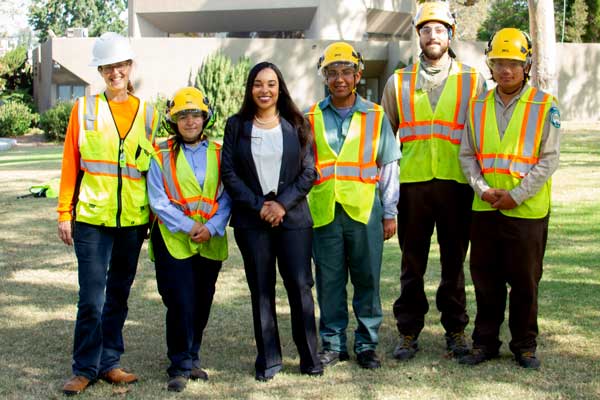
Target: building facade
(171, 40)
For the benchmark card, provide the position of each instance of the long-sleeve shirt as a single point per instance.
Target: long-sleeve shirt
(174, 219)
(123, 113)
(537, 176)
(388, 153)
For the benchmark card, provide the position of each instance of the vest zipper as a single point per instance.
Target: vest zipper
(120, 165)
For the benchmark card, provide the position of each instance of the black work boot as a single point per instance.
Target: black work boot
(456, 344)
(528, 360)
(406, 348)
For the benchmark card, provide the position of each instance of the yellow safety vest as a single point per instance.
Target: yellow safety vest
(505, 162)
(112, 191)
(199, 203)
(431, 139)
(350, 177)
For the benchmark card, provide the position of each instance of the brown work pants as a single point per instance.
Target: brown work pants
(506, 251)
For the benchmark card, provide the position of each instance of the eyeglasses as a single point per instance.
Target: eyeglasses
(499, 65)
(439, 30)
(120, 67)
(346, 74)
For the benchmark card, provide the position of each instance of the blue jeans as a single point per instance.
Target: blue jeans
(107, 262)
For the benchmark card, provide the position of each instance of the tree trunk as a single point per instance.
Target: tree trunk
(541, 26)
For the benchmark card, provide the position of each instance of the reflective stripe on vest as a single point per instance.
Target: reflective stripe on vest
(113, 187)
(411, 128)
(506, 160)
(206, 207)
(89, 122)
(536, 105)
(348, 178)
(364, 170)
(430, 138)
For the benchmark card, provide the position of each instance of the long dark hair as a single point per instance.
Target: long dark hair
(285, 105)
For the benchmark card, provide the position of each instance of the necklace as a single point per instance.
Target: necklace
(261, 122)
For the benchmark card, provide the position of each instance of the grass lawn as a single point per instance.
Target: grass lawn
(38, 295)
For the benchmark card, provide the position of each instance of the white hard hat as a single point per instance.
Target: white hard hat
(111, 48)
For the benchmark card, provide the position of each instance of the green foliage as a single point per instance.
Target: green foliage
(97, 15)
(223, 82)
(160, 104)
(16, 119)
(504, 14)
(55, 120)
(576, 26)
(15, 71)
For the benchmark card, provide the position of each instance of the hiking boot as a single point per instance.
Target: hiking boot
(177, 383)
(75, 385)
(368, 359)
(118, 376)
(406, 348)
(329, 358)
(198, 374)
(476, 356)
(528, 360)
(456, 344)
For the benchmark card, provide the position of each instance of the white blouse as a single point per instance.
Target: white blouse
(267, 150)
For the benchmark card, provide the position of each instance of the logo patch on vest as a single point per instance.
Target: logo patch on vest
(555, 117)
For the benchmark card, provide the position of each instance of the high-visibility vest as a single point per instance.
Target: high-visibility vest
(504, 163)
(113, 187)
(431, 139)
(199, 203)
(350, 177)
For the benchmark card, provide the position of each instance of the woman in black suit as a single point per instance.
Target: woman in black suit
(268, 169)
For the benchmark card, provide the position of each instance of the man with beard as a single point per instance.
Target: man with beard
(427, 105)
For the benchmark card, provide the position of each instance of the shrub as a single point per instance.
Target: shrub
(54, 121)
(223, 82)
(16, 118)
(160, 104)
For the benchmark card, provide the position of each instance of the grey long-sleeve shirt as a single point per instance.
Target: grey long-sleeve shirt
(537, 176)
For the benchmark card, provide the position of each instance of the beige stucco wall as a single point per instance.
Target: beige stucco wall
(165, 64)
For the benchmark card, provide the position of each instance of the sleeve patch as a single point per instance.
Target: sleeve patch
(555, 117)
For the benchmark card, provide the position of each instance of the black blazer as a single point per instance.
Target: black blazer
(240, 178)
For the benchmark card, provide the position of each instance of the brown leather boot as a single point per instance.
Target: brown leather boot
(118, 375)
(75, 385)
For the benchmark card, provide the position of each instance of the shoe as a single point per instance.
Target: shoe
(406, 348)
(75, 385)
(177, 383)
(314, 371)
(456, 344)
(528, 360)
(198, 374)
(368, 359)
(118, 376)
(476, 356)
(329, 358)
(262, 377)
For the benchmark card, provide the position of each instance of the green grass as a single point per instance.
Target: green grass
(38, 294)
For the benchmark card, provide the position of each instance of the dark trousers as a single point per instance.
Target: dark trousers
(291, 249)
(107, 262)
(506, 250)
(187, 288)
(447, 206)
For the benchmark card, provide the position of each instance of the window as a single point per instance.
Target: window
(69, 92)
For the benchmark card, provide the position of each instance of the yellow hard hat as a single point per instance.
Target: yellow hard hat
(434, 11)
(188, 99)
(511, 44)
(340, 52)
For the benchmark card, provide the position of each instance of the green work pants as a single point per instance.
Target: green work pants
(344, 247)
